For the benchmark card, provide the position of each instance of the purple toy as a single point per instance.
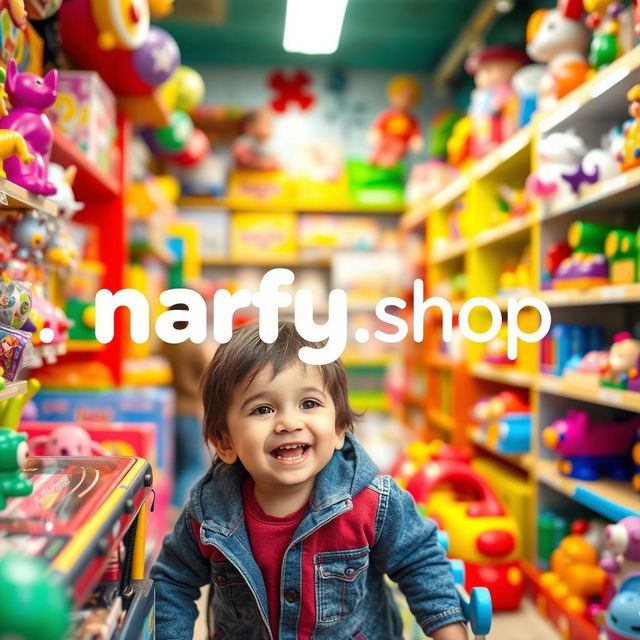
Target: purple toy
(624, 540)
(30, 95)
(589, 449)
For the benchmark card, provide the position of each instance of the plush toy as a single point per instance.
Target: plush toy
(30, 97)
(624, 359)
(559, 38)
(623, 539)
(66, 440)
(396, 130)
(492, 70)
(13, 454)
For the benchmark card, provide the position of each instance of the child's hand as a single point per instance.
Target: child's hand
(457, 631)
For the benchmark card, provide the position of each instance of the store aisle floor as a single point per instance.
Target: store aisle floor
(524, 624)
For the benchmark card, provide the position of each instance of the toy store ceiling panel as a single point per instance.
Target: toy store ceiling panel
(382, 34)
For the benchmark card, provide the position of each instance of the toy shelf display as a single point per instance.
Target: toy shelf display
(520, 416)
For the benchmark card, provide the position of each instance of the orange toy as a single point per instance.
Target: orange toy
(575, 576)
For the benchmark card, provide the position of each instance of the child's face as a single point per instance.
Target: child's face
(294, 410)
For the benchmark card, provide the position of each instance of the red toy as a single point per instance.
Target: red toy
(482, 534)
(396, 131)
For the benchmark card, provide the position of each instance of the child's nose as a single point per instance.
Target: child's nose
(288, 421)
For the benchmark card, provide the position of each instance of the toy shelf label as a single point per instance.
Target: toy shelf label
(615, 292)
(609, 396)
(3, 199)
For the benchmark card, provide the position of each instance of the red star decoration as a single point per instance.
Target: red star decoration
(291, 89)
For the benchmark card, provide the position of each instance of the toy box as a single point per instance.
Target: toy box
(213, 228)
(262, 235)
(142, 404)
(85, 111)
(258, 188)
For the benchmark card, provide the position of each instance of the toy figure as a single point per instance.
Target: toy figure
(30, 232)
(492, 70)
(396, 131)
(30, 96)
(623, 539)
(251, 149)
(64, 196)
(558, 38)
(66, 440)
(603, 19)
(624, 359)
(589, 448)
(624, 610)
(11, 142)
(13, 454)
(631, 131)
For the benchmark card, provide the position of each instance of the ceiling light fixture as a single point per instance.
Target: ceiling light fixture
(313, 26)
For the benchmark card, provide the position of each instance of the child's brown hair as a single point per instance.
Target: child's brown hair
(244, 356)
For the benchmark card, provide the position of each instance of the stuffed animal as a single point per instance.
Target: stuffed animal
(66, 440)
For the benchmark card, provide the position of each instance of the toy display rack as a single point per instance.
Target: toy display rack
(455, 384)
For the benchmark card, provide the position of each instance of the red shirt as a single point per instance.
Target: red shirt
(269, 537)
(397, 124)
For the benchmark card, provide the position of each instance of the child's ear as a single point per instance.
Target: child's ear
(341, 433)
(224, 449)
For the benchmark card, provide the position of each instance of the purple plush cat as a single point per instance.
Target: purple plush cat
(30, 95)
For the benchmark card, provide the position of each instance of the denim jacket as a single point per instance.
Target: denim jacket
(359, 526)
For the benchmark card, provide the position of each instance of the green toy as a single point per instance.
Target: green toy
(31, 606)
(13, 455)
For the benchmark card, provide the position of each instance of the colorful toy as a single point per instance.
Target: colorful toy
(624, 610)
(13, 455)
(32, 606)
(621, 248)
(603, 19)
(13, 343)
(631, 131)
(66, 440)
(552, 528)
(396, 131)
(251, 150)
(492, 70)
(575, 576)
(31, 234)
(565, 346)
(587, 266)
(526, 85)
(11, 142)
(45, 315)
(64, 197)
(30, 96)
(624, 361)
(623, 539)
(459, 499)
(588, 449)
(15, 304)
(62, 250)
(558, 38)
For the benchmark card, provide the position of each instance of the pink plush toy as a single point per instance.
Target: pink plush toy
(30, 96)
(67, 440)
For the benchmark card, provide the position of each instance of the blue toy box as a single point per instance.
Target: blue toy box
(139, 404)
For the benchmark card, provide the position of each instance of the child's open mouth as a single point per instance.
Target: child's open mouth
(290, 452)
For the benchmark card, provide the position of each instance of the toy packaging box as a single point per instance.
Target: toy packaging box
(213, 226)
(267, 236)
(140, 405)
(85, 111)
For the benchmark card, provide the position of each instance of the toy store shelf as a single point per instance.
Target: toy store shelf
(451, 192)
(210, 202)
(612, 499)
(13, 389)
(93, 178)
(416, 215)
(441, 420)
(146, 111)
(257, 261)
(616, 398)
(409, 397)
(504, 231)
(621, 190)
(572, 626)
(622, 293)
(13, 196)
(597, 97)
(522, 460)
(368, 401)
(503, 155)
(455, 249)
(505, 375)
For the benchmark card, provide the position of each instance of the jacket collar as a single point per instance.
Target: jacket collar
(217, 497)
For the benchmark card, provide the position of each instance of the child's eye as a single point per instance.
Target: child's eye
(309, 404)
(262, 410)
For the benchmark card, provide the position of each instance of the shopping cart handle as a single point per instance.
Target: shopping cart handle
(476, 609)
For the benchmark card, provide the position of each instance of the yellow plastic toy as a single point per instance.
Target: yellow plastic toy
(631, 151)
(121, 23)
(12, 143)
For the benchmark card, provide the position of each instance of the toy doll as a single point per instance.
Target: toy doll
(251, 149)
(396, 131)
(492, 70)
